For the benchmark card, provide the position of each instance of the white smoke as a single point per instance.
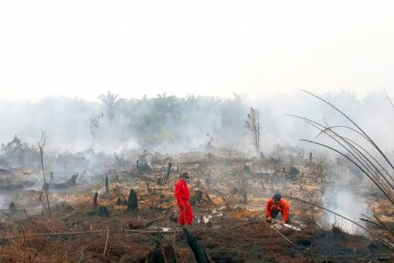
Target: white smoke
(345, 203)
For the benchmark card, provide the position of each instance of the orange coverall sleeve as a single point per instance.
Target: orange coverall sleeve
(178, 194)
(285, 211)
(268, 207)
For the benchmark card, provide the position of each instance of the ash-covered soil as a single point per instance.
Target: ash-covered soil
(229, 193)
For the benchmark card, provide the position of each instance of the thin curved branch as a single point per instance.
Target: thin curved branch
(355, 124)
(363, 158)
(335, 150)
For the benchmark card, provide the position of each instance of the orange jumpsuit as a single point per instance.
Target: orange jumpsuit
(273, 209)
(182, 196)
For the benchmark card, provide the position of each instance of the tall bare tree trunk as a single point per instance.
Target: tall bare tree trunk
(41, 145)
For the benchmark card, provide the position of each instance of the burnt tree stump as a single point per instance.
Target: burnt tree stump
(12, 206)
(167, 178)
(95, 200)
(245, 197)
(133, 201)
(106, 183)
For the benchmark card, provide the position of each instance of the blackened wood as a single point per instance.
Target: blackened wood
(106, 183)
(133, 201)
(95, 202)
(197, 248)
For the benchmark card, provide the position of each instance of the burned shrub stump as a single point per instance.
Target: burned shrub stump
(119, 201)
(196, 199)
(103, 211)
(293, 173)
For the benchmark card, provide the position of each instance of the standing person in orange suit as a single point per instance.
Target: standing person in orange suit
(182, 196)
(276, 205)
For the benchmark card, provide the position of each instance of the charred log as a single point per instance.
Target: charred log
(198, 250)
(70, 182)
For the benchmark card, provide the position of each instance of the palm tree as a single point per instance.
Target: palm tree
(110, 101)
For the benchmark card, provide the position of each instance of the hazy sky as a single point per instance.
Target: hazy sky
(84, 48)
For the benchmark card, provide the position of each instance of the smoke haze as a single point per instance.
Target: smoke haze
(171, 124)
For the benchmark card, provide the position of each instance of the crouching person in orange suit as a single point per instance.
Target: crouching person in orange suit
(276, 205)
(182, 196)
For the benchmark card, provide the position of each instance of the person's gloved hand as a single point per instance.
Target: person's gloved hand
(269, 220)
(282, 222)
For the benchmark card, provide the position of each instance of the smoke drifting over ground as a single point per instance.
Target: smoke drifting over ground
(349, 205)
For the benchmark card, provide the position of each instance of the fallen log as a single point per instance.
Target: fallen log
(197, 248)
(70, 182)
